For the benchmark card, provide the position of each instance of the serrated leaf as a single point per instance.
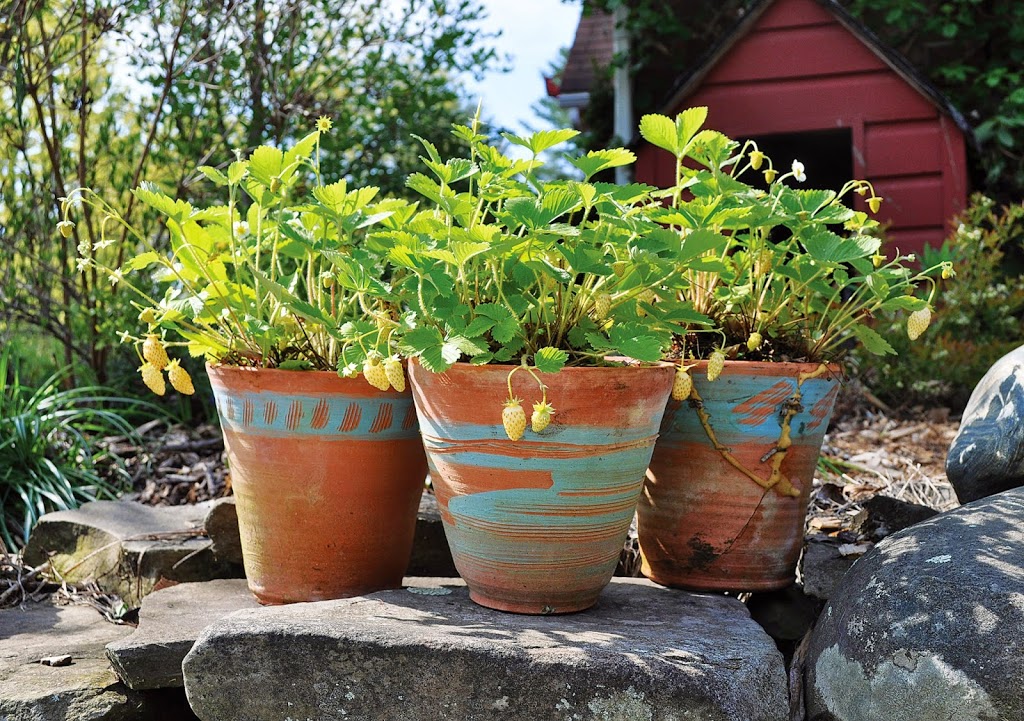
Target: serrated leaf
(550, 360)
(597, 160)
(872, 342)
(176, 210)
(142, 260)
(467, 345)
(904, 302)
(214, 175)
(660, 131)
(265, 163)
(831, 248)
(545, 139)
(687, 124)
(237, 171)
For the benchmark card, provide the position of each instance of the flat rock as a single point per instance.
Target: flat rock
(170, 621)
(430, 553)
(929, 624)
(84, 690)
(822, 567)
(643, 652)
(127, 547)
(987, 455)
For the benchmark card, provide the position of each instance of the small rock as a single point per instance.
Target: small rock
(221, 524)
(822, 567)
(430, 553)
(884, 516)
(170, 620)
(929, 624)
(987, 455)
(64, 660)
(127, 547)
(643, 652)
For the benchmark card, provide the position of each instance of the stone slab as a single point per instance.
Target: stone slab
(643, 652)
(84, 690)
(170, 621)
(127, 547)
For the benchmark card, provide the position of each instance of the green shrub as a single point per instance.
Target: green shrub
(51, 454)
(977, 319)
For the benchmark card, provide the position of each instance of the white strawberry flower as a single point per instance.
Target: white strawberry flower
(798, 171)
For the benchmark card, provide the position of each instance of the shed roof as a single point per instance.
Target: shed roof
(591, 51)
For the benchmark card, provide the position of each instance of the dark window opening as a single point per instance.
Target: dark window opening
(827, 156)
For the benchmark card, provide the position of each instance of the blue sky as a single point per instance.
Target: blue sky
(533, 31)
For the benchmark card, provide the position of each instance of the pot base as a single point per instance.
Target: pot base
(531, 608)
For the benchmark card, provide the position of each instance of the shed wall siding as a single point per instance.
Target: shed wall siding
(800, 70)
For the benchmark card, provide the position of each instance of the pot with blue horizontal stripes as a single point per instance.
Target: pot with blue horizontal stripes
(327, 474)
(537, 525)
(726, 495)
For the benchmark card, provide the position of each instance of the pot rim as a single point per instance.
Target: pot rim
(462, 365)
(771, 368)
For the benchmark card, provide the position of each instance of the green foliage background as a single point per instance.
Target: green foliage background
(106, 93)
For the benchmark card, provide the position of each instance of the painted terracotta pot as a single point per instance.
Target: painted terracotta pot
(537, 525)
(327, 474)
(726, 495)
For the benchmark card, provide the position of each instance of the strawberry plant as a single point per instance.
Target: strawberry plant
(786, 273)
(263, 279)
(500, 266)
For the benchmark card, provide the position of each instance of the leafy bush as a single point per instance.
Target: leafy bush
(978, 315)
(50, 454)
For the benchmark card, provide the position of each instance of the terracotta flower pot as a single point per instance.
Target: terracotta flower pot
(537, 525)
(726, 495)
(327, 474)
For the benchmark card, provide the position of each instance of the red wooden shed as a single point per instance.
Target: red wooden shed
(809, 82)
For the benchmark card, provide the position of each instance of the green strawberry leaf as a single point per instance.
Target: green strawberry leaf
(873, 343)
(550, 360)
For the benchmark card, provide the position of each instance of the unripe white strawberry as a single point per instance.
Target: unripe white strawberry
(682, 384)
(754, 341)
(918, 322)
(395, 373)
(602, 306)
(153, 351)
(181, 381)
(513, 417)
(541, 416)
(715, 364)
(153, 378)
(374, 373)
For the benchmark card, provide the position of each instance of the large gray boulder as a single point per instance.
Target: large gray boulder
(127, 547)
(170, 621)
(429, 653)
(987, 455)
(929, 624)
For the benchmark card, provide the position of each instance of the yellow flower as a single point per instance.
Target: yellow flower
(323, 124)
